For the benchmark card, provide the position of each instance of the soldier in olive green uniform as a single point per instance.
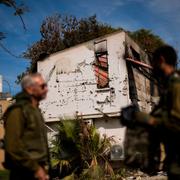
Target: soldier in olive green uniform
(26, 148)
(166, 116)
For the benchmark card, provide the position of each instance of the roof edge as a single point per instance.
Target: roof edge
(72, 47)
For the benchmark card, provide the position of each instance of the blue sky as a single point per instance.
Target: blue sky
(160, 16)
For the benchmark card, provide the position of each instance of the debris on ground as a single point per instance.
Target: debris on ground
(139, 175)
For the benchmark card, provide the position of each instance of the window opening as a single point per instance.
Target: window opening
(101, 64)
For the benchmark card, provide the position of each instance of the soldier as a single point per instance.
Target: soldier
(26, 148)
(166, 116)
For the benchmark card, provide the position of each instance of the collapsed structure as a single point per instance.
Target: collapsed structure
(94, 80)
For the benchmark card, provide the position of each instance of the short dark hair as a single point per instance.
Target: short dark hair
(169, 54)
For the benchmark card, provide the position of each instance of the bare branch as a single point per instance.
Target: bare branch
(19, 10)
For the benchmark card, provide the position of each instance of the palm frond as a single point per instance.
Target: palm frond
(64, 164)
(108, 169)
(78, 144)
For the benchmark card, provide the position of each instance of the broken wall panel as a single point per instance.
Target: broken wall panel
(75, 75)
(101, 64)
(91, 80)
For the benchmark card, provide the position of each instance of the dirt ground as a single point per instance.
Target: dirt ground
(141, 176)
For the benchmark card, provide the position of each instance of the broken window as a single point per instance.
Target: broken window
(101, 64)
(131, 53)
(135, 54)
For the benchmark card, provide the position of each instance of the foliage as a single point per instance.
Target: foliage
(78, 148)
(60, 32)
(65, 152)
(147, 40)
(78, 31)
(50, 42)
(94, 172)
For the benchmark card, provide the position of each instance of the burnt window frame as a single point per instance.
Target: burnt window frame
(101, 53)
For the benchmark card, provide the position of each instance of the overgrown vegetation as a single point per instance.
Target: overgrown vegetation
(78, 151)
(147, 40)
(59, 32)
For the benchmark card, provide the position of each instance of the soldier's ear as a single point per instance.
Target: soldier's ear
(29, 90)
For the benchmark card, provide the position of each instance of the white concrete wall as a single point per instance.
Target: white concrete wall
(143, 91)
(112, 128)
(73, 88)
(72, 84)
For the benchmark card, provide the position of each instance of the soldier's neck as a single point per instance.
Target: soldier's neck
(34, 101)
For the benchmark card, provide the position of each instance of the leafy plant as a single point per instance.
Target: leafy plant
(65, 152)
(147, 40)
(78, 148)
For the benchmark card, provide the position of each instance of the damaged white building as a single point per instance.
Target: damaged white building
(94, 80)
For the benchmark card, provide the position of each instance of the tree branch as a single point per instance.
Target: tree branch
(18, 10)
